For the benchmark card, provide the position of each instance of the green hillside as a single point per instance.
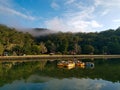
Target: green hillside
(14, 42)
(105, 42)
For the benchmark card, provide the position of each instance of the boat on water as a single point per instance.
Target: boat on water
(79, 63)
(61, 63)
(66, 63)
(89, 65)
(66, 67)
(70, 64)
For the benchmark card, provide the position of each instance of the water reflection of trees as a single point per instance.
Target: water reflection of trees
(10, 71)
(104, 69)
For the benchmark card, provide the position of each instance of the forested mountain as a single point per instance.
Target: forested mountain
(105, 42)
(14, 42)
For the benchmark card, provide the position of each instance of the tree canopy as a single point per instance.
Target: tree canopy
(18, 43)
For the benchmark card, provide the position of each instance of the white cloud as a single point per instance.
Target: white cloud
(95, 24)
(107, 6)
(105, 12)
(116, 20)
(84, 25)
(108, 3)
(56, 24)
(55, 6)
(84, 14)
(78, 84)
(7, 8)
(74, 21)
(6, 2)
(70, 1)
(8, 11)
(60, 84)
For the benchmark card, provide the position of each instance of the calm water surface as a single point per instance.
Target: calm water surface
(46, 75)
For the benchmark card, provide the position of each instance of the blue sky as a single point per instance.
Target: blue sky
(61, 15)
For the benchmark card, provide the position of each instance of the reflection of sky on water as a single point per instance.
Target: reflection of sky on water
(45, 83)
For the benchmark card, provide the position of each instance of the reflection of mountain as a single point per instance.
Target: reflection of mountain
(104, 69)
(10, 72)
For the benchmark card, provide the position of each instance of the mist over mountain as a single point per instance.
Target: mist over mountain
(40, 31)
(37, 31)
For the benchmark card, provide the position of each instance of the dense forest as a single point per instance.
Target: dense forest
(14, 42)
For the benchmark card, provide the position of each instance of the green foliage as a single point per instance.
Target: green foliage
(88, 49)
(15, 41)
(50, 46)
(17, 49)
(105, 42)
(43, 48)
(1, 49)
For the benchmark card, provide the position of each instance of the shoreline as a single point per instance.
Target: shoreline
(29, 57)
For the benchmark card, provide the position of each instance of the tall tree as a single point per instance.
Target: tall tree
(88, 49)
(18, 50)
(77, 49)
(42, 48)
(50, 46)
(1, 49)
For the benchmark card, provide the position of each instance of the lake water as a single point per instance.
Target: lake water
(46, 75)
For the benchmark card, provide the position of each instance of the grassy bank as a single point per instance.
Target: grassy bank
(29, 57)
